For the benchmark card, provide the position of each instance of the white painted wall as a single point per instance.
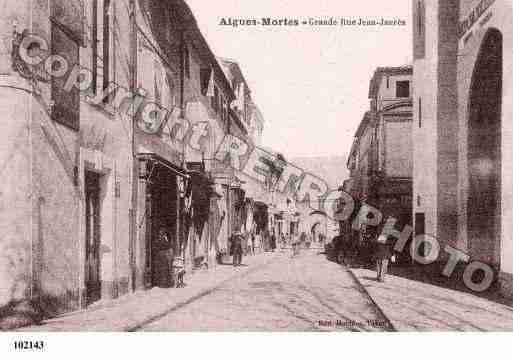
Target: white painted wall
(424, 139)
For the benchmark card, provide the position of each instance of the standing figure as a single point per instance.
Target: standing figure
(295, 245)
(164, 259)
(252, 248)
(383, 254)
(283, 241)
(273, 241)
(236, 243)
(246, 243)
(258, 242)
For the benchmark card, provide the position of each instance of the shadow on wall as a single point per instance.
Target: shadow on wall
(22, 313)
(23, 277)
(14, 282)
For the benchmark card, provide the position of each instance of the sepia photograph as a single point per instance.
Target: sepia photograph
(251, 167)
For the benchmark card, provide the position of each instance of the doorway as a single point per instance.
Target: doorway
(92, 237)
(484, 152)
(162, 239)
(420, 230)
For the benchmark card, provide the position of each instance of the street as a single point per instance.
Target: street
(274, 292)
(304, 293)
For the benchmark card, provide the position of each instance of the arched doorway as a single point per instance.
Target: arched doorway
(484, 152)
(315, 230)
(319, 228)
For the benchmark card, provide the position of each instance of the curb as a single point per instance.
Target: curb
(393, 325)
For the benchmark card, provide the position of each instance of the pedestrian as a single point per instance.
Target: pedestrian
(246, 244)
(252, 243)
(265, 237)
(273, 241)
(164, 259)
(236, 243)
(295, 245)
(258, 242)
(302, 238)
(383, 254)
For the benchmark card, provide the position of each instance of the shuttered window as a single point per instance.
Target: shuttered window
(102, 44)
(420, 112)
(66, 104)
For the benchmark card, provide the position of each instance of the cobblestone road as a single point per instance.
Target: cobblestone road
(303, 293)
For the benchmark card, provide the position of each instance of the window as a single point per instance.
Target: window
(186, 61)
(226, 111)
(388, 82)
(420, 112)
(420, 20)
(106, 43)
(419, 31)
(157, 81)
(420, 229)
(101, 44)
(215, 100)
(224, 114)
(66, 103)
(420, 223)
(94, 45)
(205, 75)
(402, 89)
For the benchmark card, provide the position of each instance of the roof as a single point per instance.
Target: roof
(367, 119)
(258, 114)
(234, 67)
(211, 56)
(386, 71)
(238, 122)
(175, 15)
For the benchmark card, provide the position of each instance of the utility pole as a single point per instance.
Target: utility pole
(133, 155)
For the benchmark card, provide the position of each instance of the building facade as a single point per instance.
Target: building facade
(380, 160)
(94, 190)
(435, 125)
(462, 72)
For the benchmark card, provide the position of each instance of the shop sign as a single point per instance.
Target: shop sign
(474, 15)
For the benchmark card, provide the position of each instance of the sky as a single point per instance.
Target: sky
(311, 83)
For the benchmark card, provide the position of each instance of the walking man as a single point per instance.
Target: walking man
(295, 245)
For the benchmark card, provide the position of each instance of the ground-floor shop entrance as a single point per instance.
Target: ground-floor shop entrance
(163, 217)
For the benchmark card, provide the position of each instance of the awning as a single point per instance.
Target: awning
(203, 186)
(260, 204)
(235, 118)
(163, 162)
(202, 191)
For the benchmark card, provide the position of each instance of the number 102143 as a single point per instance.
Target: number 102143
(29, 345)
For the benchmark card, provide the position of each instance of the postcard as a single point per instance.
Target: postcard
(255, 167)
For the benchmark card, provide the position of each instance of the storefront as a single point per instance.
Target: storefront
(164, 190)
(237, 196)
(278, 223)
(200, 218)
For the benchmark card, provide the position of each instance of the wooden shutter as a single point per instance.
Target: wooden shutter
(66, 109)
